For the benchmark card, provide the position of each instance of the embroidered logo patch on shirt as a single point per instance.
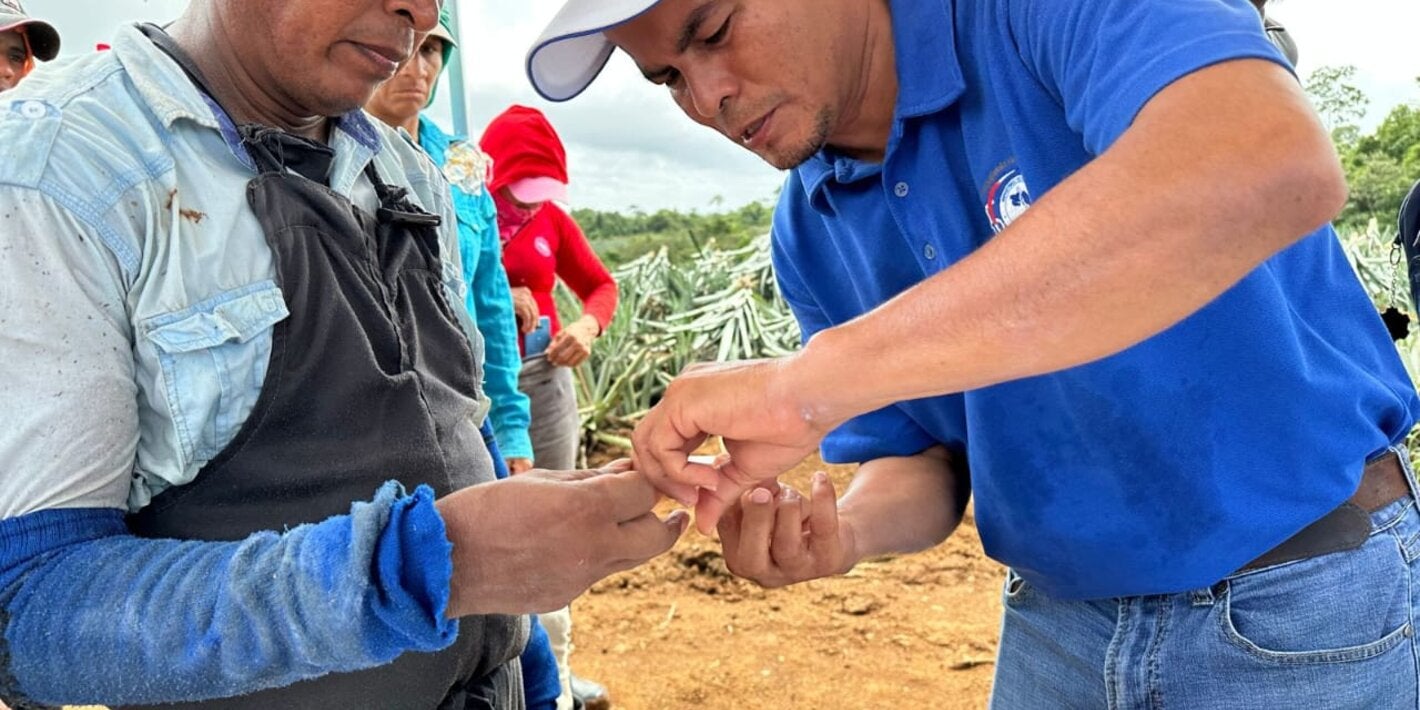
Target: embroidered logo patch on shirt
(1007, 199)
(543, 247)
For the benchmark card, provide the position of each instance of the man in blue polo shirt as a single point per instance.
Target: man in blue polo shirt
(1082, 246)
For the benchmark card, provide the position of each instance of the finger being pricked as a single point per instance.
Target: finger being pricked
(628, 494)
(649, 536)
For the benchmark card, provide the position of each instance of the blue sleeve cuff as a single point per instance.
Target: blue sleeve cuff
(413, 565)
(90, 614)
(514, 442)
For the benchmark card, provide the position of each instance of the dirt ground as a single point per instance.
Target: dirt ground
(913, 631)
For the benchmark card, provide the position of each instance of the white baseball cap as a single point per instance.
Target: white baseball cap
(572, 49)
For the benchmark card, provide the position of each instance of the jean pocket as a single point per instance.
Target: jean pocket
(214, 356)
(1337, 608)
(1016, 590)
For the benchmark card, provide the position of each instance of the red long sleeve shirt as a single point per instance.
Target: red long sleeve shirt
(552, 246)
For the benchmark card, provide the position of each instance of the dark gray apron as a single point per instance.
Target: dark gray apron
(371, 378)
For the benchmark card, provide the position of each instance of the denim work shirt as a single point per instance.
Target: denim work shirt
(137, 291)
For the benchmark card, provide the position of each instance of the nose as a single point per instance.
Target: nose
(426, 67)
(423, 15)
(710, 88)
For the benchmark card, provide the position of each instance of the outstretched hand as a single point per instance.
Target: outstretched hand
(534, 542)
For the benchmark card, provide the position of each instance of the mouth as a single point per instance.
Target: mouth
(756, 134)
(385, 60)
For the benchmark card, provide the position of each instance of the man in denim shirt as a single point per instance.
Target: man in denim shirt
(234, 386)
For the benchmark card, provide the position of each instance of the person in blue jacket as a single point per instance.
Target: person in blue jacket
(399, 103)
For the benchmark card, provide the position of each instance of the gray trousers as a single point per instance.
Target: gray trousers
(555, 425)
(555, 432)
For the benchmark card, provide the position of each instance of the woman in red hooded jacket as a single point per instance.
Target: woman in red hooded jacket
(541, 244)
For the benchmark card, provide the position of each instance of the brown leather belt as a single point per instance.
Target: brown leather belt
(1348, 526)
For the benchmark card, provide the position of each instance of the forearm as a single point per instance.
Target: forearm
(93, 615)
(1171, 216)
(591, 322)
(898, 505)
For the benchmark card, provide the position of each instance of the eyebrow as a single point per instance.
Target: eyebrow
(689, 30)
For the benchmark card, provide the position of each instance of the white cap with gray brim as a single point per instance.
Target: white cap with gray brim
(572, 49)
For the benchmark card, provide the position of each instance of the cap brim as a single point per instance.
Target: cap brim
(44, 39)
(444, 35)
(572, 50)
(531, 191)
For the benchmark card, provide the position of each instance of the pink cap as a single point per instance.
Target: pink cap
(533, 190)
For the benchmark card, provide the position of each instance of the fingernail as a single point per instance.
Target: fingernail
(789, 494)
(680, 518)
(820, 478)
(760, 496)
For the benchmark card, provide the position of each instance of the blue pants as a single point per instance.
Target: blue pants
(1335, 631)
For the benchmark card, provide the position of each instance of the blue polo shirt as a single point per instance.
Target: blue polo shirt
(1162, 468)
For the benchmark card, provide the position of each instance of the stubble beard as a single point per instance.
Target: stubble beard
(823, 124)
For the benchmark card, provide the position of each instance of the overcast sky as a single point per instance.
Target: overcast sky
(629, 146)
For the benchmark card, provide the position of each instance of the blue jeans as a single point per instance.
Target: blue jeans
(1335, 631)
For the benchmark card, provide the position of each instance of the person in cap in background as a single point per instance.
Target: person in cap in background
(399, 103)
(23, 39)
(542, 243)
(1201, 488)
